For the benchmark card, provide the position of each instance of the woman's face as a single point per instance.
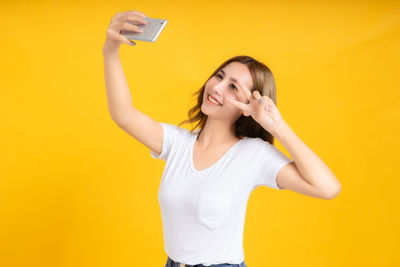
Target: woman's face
(222, 87)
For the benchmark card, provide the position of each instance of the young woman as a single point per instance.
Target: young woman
(210, 172)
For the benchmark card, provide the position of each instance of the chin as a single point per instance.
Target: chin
(204, 110)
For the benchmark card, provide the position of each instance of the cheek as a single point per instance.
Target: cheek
(236, 96)
(231, 97)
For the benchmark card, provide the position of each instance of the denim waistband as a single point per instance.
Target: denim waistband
(172, 263)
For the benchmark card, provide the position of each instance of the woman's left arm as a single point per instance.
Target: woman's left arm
(308, 174)
(310, 166)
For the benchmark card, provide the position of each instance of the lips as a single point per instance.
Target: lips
(211, 96)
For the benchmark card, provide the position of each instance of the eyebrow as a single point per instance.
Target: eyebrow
(232, 79)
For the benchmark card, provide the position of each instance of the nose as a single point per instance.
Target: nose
(219, 88)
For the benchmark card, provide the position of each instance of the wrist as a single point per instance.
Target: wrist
(110, 48)
(280, 129)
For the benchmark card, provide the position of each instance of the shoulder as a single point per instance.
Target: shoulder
(175, 130)
(256, 143)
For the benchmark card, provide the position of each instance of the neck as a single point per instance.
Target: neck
(216, 132)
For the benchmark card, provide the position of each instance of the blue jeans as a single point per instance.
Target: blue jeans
(171, 263)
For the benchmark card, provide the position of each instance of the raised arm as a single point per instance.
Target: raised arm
(140, 126)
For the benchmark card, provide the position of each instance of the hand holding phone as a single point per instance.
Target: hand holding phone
(122, 21)
(150, 32)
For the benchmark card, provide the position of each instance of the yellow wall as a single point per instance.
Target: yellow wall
(75, 190)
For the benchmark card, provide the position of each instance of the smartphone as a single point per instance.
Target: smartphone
(151, 30)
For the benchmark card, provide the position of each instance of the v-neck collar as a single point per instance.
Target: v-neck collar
(191, 150)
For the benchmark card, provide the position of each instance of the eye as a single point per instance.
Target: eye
(233, 86)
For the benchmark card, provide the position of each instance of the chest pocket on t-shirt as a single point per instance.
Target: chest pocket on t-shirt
(213, 211)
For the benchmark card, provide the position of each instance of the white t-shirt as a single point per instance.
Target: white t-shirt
(203, 211)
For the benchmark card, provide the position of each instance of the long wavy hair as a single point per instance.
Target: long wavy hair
(264, 83)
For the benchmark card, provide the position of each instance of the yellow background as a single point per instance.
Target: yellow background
(75, 190)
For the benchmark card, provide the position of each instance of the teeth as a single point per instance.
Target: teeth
(212, 100)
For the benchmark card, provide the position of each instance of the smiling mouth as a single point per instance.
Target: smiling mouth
(213, 100)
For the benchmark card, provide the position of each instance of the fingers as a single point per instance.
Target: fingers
(126, 21)
(131, 12)
(257, 96)
(246, 92)
(266, 106)
(135, 12)
(130, 27)
(134, 18)
(116, 36)
(238, 104)
(269, 103)
(264, 101)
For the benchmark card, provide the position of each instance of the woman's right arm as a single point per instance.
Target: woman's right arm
(118, 94)
(140, 126)
(119, 97)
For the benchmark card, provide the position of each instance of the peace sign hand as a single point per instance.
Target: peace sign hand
(261, 108)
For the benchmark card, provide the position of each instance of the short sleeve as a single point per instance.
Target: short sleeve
(272, 160)
(170, 133)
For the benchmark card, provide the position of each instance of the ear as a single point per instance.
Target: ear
(245, 114)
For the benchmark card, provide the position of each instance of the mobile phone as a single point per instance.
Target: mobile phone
(151, 30)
